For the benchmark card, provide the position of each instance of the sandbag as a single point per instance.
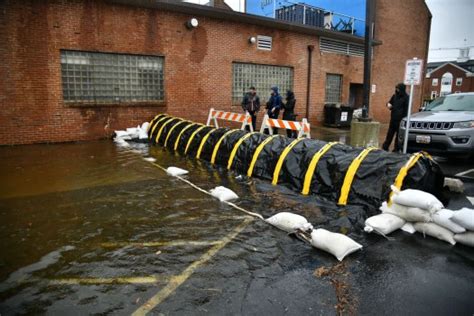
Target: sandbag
(408, 228)
(149, 159)
(464, 217)
(417, 198)
(384, 223)
(436, 231)
(145, 126)
(224, 194)
(338, 245)
(466, 238)
(142, 134)
(443, 219)
(409, 214)
(121, 134)
(289, 222)
(133, 132)
(174, 171)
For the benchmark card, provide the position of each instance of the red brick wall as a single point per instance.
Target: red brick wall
(466, 86)
(403, 27)
(198, 65)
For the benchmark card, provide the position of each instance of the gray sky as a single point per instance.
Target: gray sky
(452, 27)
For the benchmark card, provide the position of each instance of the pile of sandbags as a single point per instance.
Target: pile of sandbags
(139, 133)
(418, 211)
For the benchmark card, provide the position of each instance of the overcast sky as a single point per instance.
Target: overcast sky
(452, 27)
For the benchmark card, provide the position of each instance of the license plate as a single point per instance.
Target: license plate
(423, 139)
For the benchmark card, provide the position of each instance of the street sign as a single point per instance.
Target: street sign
(413, 71)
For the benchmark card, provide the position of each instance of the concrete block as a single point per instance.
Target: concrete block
(365, 134)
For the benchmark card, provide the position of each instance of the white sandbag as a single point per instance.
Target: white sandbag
(408, 228)
(417, 198)
(289, 222)
(145, 126)
(121, 134)
(384, 223)
(436, 231)
(443, 219)
(121, 142)
(410, 214)
(142, 134)
(149, 159)
(175, 171)
(224, 194)
(466, 238)
(464, 217)
(338, 245)
(133, 132)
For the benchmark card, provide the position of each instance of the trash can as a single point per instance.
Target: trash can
(337, 115)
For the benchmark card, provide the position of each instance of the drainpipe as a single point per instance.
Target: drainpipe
(308, 82)
(369, 29)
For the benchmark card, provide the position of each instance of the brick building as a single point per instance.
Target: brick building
(448, 77)
(77, 70)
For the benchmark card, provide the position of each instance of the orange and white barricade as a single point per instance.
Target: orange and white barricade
(245, 119)
(303, 127)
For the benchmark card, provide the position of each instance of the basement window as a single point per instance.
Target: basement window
(458, 82)
(333, 88)
(262, 77)
(89, 77)
(264, 42)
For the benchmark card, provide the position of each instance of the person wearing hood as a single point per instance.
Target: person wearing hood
(289, 112)
(398, 105)
(251, 104)
(274, 105)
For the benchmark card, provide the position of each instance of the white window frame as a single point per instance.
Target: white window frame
(459, 82)
(434, 82)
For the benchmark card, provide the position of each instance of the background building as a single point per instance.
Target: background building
(78, 70)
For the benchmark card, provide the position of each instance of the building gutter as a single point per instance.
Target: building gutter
(227, 15)
(308, 82)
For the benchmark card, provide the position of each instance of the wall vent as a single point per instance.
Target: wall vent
(339, 47)
(264, 42)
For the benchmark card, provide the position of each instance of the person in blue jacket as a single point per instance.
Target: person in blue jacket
(274, 105)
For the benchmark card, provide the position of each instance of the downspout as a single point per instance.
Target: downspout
(308, 81)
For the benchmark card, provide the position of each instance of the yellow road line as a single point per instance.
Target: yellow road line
(351, 172)
(176, 281)
(218, 144)
(236, 147)
(190, 140)
(281, 160)
(173, 243)
(171, 131)
(312, 167)
(403, 173)
(257, 153)
(119, 280)
(203, 141)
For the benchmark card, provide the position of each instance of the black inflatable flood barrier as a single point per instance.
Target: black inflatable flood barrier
(335, 171)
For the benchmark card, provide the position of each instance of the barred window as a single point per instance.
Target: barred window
(262, 77)
(333, 88)
(111, 78)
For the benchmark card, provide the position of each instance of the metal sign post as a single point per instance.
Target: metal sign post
(413, 72)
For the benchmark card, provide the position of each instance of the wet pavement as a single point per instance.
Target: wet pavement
(92, 228)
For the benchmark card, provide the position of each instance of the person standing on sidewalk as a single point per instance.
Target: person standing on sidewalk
(251, 104)
(398, 105)
(274, 105)
(289, 112)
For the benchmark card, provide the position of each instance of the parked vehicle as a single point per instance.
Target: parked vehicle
(444, 127)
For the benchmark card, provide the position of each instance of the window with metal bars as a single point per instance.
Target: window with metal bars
(262, 77)
(333, 88)
(111, 78)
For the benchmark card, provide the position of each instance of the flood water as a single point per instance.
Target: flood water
(93, 228)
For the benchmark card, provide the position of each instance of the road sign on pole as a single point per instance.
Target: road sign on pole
(413, 76)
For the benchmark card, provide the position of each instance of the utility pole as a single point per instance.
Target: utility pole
(369, 36)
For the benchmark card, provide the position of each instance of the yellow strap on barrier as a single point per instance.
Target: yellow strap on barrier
(176, 143)
(190, 140)
(236, 147)
(162, 127)
(153, 121)
(257, 153)
(351, 172)
(403, 173)
(312, 167)
(156, 124)
(171, 130)
(285, 152)
(203, 141)
(218, 144)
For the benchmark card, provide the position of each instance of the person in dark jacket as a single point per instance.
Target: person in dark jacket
(289, 112)
(274, 105)
(398, 105)
(251, 104)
